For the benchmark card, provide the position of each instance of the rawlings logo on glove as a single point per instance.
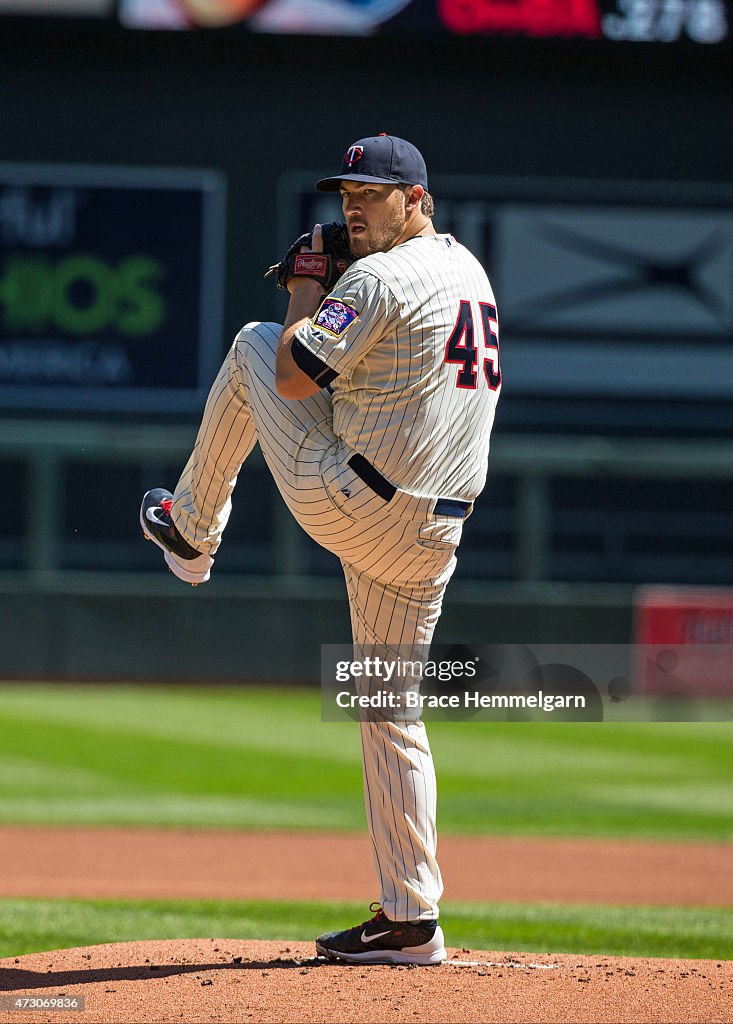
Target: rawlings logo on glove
(326, 267)
(306, 263)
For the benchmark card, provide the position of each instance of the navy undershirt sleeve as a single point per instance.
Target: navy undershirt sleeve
(311, 365)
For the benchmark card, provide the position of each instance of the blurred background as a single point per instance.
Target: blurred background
(158, 155)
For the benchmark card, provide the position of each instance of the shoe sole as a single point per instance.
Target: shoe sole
(409, 955)
(194, 578)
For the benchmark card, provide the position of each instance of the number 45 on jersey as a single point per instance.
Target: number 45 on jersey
(461, 346)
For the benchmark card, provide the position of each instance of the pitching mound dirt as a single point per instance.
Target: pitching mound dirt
(227, 981)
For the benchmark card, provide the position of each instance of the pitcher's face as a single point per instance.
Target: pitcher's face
(375, 216)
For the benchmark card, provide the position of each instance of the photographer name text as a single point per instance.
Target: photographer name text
(388, 700)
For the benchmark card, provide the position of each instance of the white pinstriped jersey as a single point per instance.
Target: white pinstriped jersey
(413, 336)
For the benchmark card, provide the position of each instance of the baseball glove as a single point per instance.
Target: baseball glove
(326, 267)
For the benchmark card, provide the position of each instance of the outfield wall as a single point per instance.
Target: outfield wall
(232, 631)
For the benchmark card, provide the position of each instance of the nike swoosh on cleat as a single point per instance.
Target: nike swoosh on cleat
(152, 518)
(376, 935)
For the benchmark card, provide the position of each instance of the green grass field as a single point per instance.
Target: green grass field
(258, 758)
(31, 925)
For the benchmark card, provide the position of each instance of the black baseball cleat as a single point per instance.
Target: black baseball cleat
(185, 562)
(381, 941)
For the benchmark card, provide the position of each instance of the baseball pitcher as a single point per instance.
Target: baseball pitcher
(373, 406)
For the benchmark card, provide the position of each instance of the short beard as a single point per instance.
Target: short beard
(384, 239)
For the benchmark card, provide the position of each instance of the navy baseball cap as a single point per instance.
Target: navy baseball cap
(383, 159)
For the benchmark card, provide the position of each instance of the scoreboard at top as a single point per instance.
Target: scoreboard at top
(661, 22)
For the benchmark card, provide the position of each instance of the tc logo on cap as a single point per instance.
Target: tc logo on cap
(353, 155)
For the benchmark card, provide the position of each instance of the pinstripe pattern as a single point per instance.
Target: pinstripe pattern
(395, 402)
(399, 776)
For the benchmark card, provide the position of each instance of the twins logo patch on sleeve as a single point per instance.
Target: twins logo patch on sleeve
(334, 317)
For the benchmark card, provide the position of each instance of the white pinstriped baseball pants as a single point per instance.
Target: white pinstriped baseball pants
(396, 568)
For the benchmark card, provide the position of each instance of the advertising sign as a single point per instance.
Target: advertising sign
(687, 636)
(110, 286)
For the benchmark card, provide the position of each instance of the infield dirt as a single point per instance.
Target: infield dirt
(140, 863)
(230, 981)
